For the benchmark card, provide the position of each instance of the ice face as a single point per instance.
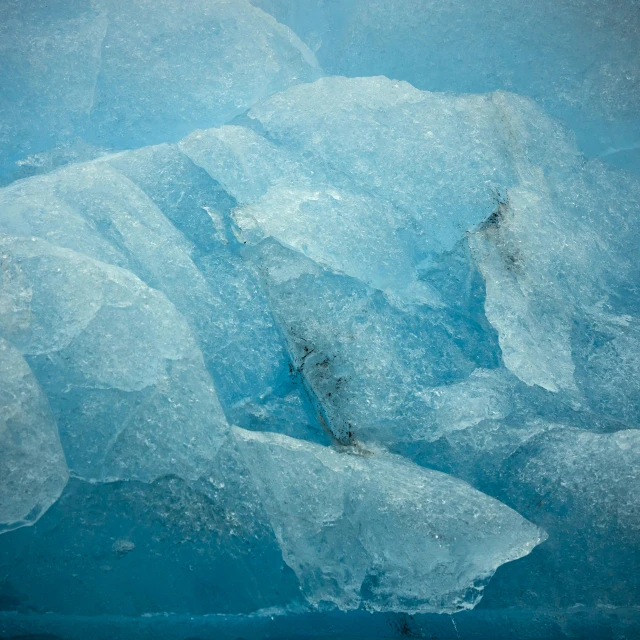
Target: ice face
(355, 349)
(216, 550)
(89, 76)
(580, 486)
(365, 361)
(499, 184)
(547, 268)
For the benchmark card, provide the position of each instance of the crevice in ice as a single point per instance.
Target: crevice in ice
(297, 368)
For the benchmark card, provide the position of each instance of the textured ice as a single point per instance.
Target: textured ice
(596, 472)
(535, 296)
(333, 353)
(496, 179)
(32, 465)
(167, 238)
(122, 372)
(338, 518)
(86, 76)
(487, 186)
(378, 218)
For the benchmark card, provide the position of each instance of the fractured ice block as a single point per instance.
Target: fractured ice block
(378, 181)
(366, 362)
(553, 262)
(372, 529)
(119, 365)
(590, 477)
(89, 76)
(368, 176)
(155, 213)
(32, 463)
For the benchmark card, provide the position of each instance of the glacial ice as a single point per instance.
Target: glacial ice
(579, 59)
(338, 518)
(88, 76)
(32, 465)
(119, 365)
(276, 344)
(378, 218)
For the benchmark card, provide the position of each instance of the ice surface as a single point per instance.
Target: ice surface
(547, 268)
(85, 76)
(433, 173)
(338, 517)
(32, 465)
(581, 487)
(312, 348)
(119, 211)
(118, 363)
(366, 362)
(596, 473)
(101, 558)
(465, 47)
(427, 168)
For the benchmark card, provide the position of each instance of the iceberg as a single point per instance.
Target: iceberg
(285, 353)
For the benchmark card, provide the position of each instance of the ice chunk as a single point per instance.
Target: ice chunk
(245, 163)
(366, 362)
(155, 213)
(464, 47)
(535, 333)
(487, 394)
(608, 368)
(218, 58)
(549, 257)
(123, 374)
(367, 176)
(352, 233)
(371, 246)
(409, 538)
(133, 73)
(428, 170)
(434, 157)
(32, 463)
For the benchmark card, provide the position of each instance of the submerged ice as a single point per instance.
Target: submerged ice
(303, 342)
